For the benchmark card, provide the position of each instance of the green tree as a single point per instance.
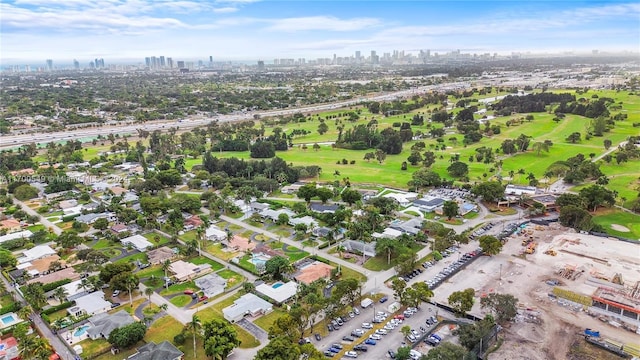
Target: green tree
(490, 244)
(607, 144)
(7, 260)
(194, 326)
(34, 294)
(307, 192)
(101, 224)
(470, 335)
(596, 195)
(575, 217)
(403, 353)
(324, 194)
(285, 327)
(405, 330)
(458, 169)
(60, 293)
(280, 348)
(503, 306)
(69, 239)
(220, 338)
(450, 209)
(25, 192)
(398, 286)
(350, 196)
(322, 128)
(462, 301)
(574, 137)
(540, 146)
(277, 267)
(127, 335)
(491, 191)
(446, 351)
(283, 219)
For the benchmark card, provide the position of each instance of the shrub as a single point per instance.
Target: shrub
(55, 284)
(179, 339)
(64, 305)
(13, 307)
(437, 256)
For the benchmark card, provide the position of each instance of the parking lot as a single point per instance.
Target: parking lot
(392, 340)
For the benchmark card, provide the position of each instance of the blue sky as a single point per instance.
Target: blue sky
(34, 30)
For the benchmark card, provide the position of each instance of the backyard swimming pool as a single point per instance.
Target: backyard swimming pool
(8, 319)
(81, 330)
(277, 285)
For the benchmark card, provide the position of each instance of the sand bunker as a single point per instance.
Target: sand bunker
(620, 228)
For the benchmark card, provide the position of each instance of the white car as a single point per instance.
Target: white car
(375, 337)
(381, 332)
(351, 354)
(388, 327)
(367, 326)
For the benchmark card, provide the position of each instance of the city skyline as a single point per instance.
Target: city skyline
(245, 30)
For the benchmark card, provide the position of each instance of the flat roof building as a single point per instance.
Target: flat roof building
(247, 304)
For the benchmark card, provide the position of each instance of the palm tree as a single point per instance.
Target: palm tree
(61, 294)
(194, 326)
(25, 312)
(131, 284)
(164, 307)
(148, 291)
(165, 266)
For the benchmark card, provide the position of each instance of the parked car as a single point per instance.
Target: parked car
(334, 350)
(415, 333)
(411, 338)
(115, 293)
(360, 347)
(203, 298)
(330, 327)
(381, 332)
(317, 336)
(384, 299)
(356, 311)
(115, 305)
(370, 342)
(337, 346)
(194, 296)
(328, 353)
(188, 292)
(348, 338)
(351, 354)
(367, 326)
(339, 321)
(392, 354)
(375, 337)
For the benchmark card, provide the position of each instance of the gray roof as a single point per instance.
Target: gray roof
(211, 284)
(152, 351)
(104, 324)
(431, 203)
(369, 249)
(323, 208)
(246, 304)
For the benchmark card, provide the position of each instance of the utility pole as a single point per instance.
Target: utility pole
(500, 271)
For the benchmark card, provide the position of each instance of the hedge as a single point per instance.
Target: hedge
(64, 305)
(322, 260)
(13, 307)
(324, 245)
(50, 286)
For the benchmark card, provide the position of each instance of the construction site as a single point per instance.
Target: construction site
(565, 282)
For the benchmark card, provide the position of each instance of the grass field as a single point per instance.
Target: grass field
(607, 217)
(180, 300)
(266, 321)
(199, 260)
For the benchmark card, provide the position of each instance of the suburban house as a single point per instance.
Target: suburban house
(429, 204)
(160, 255)
(91, 218)
(293, 188)
(184, 271)
(73, 290)
(404, 199)
(247, 304)
(387, 233)
(139, 242)
(68, 273)
(103, 324)
(359, 247)
(258, 206)
(90, 304)
(306, 220)
(278, 292)
(214, 233)
(192, 222)
(239, 243)
(119, 228)
(41, 265)
(152, 351)
(16, 235)
(412, 226)
(35, 253)
(129, 197)
(9, 349)
(325, 231)
(11, 225)
(323, 208)
(117, 190)
(312, 272)
(211, 284)
(66, 204)
(367, 193)
(274, 214)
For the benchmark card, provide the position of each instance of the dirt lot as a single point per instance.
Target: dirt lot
(546, 330)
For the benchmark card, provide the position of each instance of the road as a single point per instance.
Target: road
(10, 141)
(59, 347)
(43, 220)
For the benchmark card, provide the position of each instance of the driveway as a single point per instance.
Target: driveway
(254, 330)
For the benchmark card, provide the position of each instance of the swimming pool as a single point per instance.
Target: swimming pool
(8, 319)
(259, 259)
(277, 285)
(81, 330)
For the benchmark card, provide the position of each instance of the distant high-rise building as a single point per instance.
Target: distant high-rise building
(76, 64)
(49, 64)
(92, 65)
(260, 65)
(210, 59)
(27, 68)
(374, 58)
(162, 62)
(154, 62)
(170, 63)
(147, 62)
(357, 55)
(180, 64)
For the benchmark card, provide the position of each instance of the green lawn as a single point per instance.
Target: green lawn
(180, 300)
(102, 244)
(199, 260)
(233, 278)
(607, 217)
(216, 250)
(247, 264)
(142, 257)
(379, 263)
(153, 236)
(188, 236)
(179, 288)
(35, 228)
(266, 321)
(347, 273)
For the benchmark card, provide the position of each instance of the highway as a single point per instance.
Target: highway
(11, 141)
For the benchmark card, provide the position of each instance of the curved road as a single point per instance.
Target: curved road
(43, 220)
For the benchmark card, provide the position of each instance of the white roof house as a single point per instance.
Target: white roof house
(247, 304)
(183, 270)
(278, 292)
(16, 235)
(74, 290)
(137, 241)
(519, 190)
(404, 199)
(211, 284)
(35, 253)
(91, 304)
(307, 220)
(387, 233)
(213, 233)
(75, 210)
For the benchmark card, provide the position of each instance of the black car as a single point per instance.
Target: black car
(318, 337)
(328, 353)
(384, 299)
(392, 354)
(360, 347)
(348, 338)
(330, 327)
(115, 305)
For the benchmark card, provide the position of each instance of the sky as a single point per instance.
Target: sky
(116, 30)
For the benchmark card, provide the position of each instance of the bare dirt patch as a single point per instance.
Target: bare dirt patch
(620, 228)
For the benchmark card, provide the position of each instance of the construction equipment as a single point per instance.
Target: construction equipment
(551, 252)
(531, 248)
(617, 279)
(527, 241)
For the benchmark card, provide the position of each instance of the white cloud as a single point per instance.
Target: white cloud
(224, 10)
(328, 23)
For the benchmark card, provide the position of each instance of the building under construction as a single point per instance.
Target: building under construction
(624, 302)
